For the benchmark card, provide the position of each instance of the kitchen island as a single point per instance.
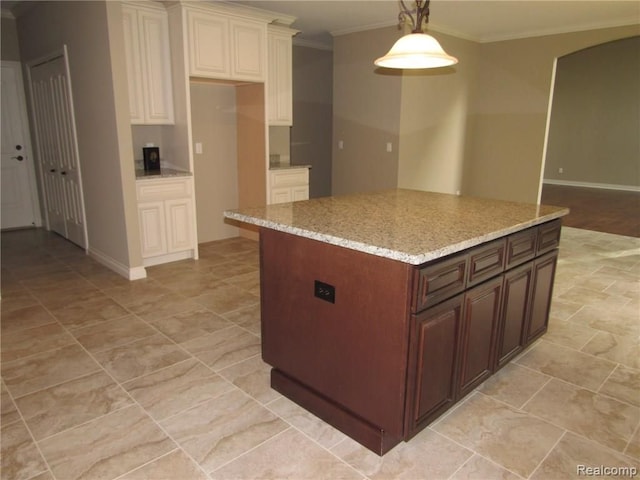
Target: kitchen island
(381, 310)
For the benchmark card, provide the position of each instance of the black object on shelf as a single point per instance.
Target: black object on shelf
(151, 156)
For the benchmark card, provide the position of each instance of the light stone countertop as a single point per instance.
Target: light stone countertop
(142, 174)
(407, 225)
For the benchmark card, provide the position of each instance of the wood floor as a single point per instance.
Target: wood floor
(610, 211)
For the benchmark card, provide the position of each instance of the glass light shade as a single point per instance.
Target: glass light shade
(416, 50)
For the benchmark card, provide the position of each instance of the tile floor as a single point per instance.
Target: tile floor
(162, 378)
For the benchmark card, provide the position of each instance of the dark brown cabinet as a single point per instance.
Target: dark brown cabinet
(481, 315)
(395, 345)
(433, 358)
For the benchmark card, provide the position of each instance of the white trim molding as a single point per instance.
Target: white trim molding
(604, 186)
(130, 273)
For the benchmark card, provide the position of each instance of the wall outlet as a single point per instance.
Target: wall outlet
(561, 170)
(340, 144)
(324, 291)
(389, 147)
(199, 147)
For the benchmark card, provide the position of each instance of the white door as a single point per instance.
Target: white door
(57, 149)
(19, 198)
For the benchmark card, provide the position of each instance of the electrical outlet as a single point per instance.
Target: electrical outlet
(324, 291)
(389, 147)
(561, 170)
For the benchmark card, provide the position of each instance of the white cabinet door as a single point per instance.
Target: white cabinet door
(209, 48)
(151, 218)
(300, 193)
(158, 96)
(134, 63)
(248, 41)
(146, 41)
(279, 79)
(280, 195)
(179, 215)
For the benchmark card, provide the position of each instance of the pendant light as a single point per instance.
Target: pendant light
(417, 49)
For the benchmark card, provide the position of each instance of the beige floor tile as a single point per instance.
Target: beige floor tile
(247, 281)
(479, 468)
(106, 447)
(34, 340)
(20, 459)
(113, 333)
(587, 296)
(231, 269)
(615, 348)
(141, 357)
(574, 452)
(67, 405)
(15, 299)
(177, 388)
(569, 334)
(617, 319)
(8, 411)
(46, 369)
(297, 458)
(633, 449)
(134, 292)
(428, 455)
(173, 466)
(220, 430)
(56, 300)
(226, 298)
(564, 310)
(164, 306)
(567, 364)
(253, 377)
(89, 313)
(514, 384)
(191, 283)
(306, 422)
(600, 418)
(189, 325)
(43, 476)
(27, 317)
(224, 347)
(248, 318)
(623, 384)
(511, 438)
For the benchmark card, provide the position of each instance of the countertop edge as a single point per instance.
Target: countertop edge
(412, 259)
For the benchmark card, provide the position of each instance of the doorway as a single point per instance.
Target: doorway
(19, 202)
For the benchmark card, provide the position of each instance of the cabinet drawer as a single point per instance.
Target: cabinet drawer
(152, 190)
(548, 236)
(486, 261)
(521, 247)
(439, 281)
(290, 178)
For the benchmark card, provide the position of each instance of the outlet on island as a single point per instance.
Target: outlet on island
(325, 292)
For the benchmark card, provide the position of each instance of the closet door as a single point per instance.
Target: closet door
(57, 148)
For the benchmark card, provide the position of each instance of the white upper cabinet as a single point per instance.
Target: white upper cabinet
(146, 40)
(226, 47)
(279, 79)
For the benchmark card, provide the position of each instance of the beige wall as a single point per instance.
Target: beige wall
(366, 113)
(9, 40)
(508, 113)
(433, 119)
(480, 130)
(92, 32)
(311, 134)
(594, 133)
(213, 113)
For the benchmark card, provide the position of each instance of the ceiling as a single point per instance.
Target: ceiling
(477, 20)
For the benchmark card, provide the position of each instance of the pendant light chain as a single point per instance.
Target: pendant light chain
(422, 15)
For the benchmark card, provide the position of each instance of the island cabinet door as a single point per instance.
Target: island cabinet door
(433, 355)
(516, 302)
(479, 334)
(544, 269)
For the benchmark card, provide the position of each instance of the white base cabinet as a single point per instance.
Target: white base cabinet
(166, 219)
(289, 185)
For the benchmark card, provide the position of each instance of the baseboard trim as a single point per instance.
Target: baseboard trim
(603, 186)
(135, 273)
(170, 257)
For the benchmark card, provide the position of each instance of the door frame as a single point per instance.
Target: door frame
(32, 175)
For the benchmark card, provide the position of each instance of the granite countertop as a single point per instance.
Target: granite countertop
(285, 166)
(142, 174)
(407, 225)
